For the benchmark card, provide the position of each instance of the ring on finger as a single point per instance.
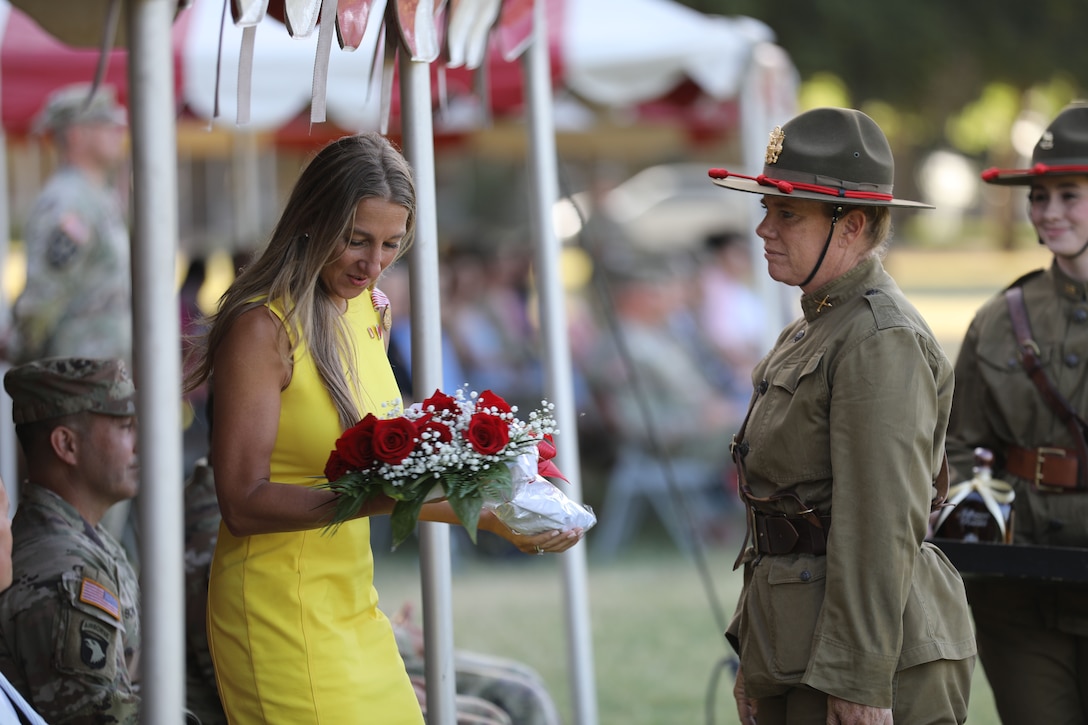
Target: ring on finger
(539, 551)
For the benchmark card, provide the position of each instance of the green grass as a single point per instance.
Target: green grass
(656, 640)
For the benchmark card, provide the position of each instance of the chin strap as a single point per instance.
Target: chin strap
(827, 245)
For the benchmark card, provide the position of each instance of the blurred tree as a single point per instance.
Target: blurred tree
(930, 56)
(983, 77)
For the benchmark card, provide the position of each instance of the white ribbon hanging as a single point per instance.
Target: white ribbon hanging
(994, 494)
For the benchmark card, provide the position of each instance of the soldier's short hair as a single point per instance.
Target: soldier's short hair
(74, 104)
(61, 386)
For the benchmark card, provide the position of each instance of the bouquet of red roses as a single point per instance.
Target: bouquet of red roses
(467, 448)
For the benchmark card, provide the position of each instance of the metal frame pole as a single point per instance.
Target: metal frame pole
(434, 539)
(558, 368)
(157, 359)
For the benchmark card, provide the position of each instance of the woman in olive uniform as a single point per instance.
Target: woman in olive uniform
(1032, 635)
(846, 615)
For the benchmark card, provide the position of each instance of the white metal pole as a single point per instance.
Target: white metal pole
(434, 549)
(157, 359)
(558, 369)
(9, 455)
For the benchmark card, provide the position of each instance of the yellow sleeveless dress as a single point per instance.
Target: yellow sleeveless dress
(293, 620)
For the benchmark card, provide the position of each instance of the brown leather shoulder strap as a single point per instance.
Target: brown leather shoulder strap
(1029, 356)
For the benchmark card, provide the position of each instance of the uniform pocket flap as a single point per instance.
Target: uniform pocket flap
(796, 569)
(790, 377)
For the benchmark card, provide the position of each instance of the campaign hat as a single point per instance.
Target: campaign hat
(834, 155)
(1060, 151)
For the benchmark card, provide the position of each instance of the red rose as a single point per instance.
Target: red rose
(487, 400)
(487, 433)
(440, 432)
(441, 403)
(355, 446)
(394, 439)
(336, 468)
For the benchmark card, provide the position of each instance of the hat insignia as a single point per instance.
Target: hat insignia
(774, 148)
(1046, 143)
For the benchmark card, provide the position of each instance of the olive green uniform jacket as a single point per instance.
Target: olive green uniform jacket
(849, 414)
(997, 406)
(70, 622)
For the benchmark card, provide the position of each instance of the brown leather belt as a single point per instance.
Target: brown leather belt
(1052, 470)
(778, 534)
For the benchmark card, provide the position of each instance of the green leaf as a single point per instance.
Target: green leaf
(467, 509)
(403, 519)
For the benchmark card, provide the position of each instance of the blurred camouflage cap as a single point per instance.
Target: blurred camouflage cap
(59, 386)
(74, 104)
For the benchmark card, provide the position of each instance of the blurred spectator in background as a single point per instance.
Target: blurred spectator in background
(668, 417)
(730, 313)
(490, 323)
(77, 300)
(395, 285)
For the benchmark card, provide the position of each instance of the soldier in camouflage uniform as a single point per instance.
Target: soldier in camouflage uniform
(13, 705)
(77, 300)
(69, 624)
(1033, 635)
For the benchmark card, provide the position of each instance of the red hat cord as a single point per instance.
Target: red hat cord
(1036, 170)
(788, 187)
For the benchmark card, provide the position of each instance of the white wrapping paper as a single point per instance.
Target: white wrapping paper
(536, 504)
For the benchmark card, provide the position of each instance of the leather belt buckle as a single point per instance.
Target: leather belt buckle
(1041, 454)
(775, 534)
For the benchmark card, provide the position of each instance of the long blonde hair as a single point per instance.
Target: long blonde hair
(311, 232)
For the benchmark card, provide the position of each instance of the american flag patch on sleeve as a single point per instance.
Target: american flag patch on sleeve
(93, 593)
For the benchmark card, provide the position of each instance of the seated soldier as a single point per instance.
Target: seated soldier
(69, 624)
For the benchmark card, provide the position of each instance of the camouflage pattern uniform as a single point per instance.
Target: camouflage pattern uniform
(69, 623)
(77, 299)
(201, 531)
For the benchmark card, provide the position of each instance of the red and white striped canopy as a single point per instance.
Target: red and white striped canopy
(615, 53)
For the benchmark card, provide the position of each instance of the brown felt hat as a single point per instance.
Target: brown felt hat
(1060, 151)
(826, 154)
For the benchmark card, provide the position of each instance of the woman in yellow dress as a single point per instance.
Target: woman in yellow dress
(297, 352)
